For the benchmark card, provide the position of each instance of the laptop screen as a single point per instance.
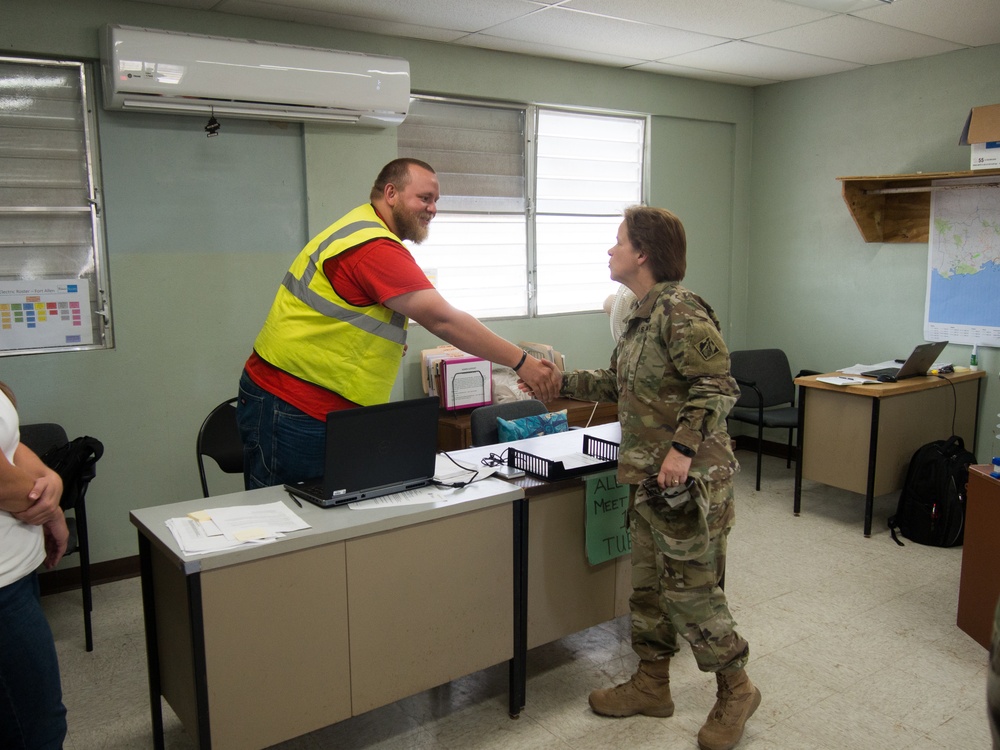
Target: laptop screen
(376, 450)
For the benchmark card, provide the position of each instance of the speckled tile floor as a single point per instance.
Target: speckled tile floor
(853, 645)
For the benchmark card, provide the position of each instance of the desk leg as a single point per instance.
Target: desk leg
(872, 463)
(517, 680)
(797, 496)
(200, 668)
(152, 648)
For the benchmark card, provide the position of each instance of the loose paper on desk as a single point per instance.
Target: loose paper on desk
(845, 380)
(225, 528)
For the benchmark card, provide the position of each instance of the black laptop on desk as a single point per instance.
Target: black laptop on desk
(916, 365)
(375, 450)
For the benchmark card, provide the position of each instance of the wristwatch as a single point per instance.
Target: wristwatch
(683, 449)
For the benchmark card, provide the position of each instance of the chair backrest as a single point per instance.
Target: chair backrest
(74, 461)
(483, 421)
(769, 370)
(219, 439)
(42, 436)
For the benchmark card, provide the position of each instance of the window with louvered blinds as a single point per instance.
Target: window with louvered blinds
(53, 288)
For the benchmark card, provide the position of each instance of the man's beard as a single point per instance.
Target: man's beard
(408, 225)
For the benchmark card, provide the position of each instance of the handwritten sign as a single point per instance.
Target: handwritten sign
(607, 518)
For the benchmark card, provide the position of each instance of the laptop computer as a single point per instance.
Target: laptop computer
(373, 451)
(916, 365)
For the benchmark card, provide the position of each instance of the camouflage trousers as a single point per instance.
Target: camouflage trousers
(672, 596)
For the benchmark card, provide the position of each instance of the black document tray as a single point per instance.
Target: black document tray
(545, 468)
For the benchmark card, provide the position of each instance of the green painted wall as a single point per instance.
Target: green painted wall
(817, 289)
(201, 231)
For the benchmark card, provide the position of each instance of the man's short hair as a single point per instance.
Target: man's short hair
(397, 172)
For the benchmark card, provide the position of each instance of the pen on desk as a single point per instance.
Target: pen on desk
(294, 499)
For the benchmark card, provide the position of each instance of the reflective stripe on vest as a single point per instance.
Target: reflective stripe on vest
(393, 330)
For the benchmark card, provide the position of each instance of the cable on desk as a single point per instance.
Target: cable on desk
(475, 475)
(954, 401)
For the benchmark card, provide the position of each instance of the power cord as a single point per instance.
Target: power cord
(475, 475)
(954, 401)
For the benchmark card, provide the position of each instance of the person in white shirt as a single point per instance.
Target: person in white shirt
(32, 532)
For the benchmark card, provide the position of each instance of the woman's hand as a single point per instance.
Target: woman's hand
(45, 495)
(674, 470)
(56, 539)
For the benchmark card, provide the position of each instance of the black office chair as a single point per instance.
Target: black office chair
(77, 471)
(767, 394)
(219, 439)
(483, 421)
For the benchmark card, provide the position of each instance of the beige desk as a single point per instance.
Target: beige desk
(565, 593)
(258, 645)
(861, 438)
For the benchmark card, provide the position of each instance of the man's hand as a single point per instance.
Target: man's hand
(541, 377)
(45, 495)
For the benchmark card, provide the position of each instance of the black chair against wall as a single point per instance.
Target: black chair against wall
(219, 439)
(483, 421)
(42, 438)
(767, 394)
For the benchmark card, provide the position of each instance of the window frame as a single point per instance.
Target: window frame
(531, 113)
(95, 273)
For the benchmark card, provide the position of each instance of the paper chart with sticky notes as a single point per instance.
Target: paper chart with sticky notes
(218, 529)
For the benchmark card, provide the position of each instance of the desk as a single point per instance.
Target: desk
(564, 594)
(311, 609)
(455, 432)
(260, 644)
(980, 585)
(861, 438)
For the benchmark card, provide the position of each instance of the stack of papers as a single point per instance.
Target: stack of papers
(237, 526)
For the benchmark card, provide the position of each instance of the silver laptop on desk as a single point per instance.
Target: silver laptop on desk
(916, 365)
(373, 451)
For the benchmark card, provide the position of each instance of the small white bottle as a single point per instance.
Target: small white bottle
(974, 359)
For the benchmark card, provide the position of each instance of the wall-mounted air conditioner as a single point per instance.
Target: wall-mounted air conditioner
(161, 71)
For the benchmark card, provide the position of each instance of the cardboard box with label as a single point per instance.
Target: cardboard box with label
(982, 133)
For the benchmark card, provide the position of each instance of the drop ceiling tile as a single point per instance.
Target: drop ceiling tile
(972, 22)
(584, 31)
(537, 49)
(456, 15)
(757, 61)
(855, 40)
(723, 18)
(339, 21)
(702, 75)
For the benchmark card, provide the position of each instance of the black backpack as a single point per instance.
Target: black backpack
(72, 461)
(931, 508)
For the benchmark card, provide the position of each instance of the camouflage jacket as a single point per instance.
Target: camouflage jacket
(669, 374)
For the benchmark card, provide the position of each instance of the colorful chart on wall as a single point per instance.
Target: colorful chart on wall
(963, 265)
(42, 313)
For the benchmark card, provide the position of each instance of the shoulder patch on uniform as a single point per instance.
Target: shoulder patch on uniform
(707, 348)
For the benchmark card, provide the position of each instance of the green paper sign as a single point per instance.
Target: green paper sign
(607, 518)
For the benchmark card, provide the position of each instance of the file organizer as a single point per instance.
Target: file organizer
(545, 468)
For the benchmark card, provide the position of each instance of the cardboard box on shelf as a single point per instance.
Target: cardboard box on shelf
(982, 133)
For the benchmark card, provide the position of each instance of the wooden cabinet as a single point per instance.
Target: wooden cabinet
(980, 583)
(455, 433)
(897, 208)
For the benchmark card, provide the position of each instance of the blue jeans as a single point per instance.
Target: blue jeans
(32, 715)
(281, 444)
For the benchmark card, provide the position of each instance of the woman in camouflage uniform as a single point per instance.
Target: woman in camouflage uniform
(669, 374)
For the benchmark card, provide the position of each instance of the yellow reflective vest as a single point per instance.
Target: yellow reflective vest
(314, 334)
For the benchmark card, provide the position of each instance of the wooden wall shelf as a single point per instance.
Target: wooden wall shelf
(897, 208)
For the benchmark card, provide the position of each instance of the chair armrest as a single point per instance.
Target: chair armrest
(803, 373)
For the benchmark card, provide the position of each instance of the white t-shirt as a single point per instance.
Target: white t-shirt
(22, 546)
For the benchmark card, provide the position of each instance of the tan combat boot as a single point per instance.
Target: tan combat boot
(736, 700)
(648, 693)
